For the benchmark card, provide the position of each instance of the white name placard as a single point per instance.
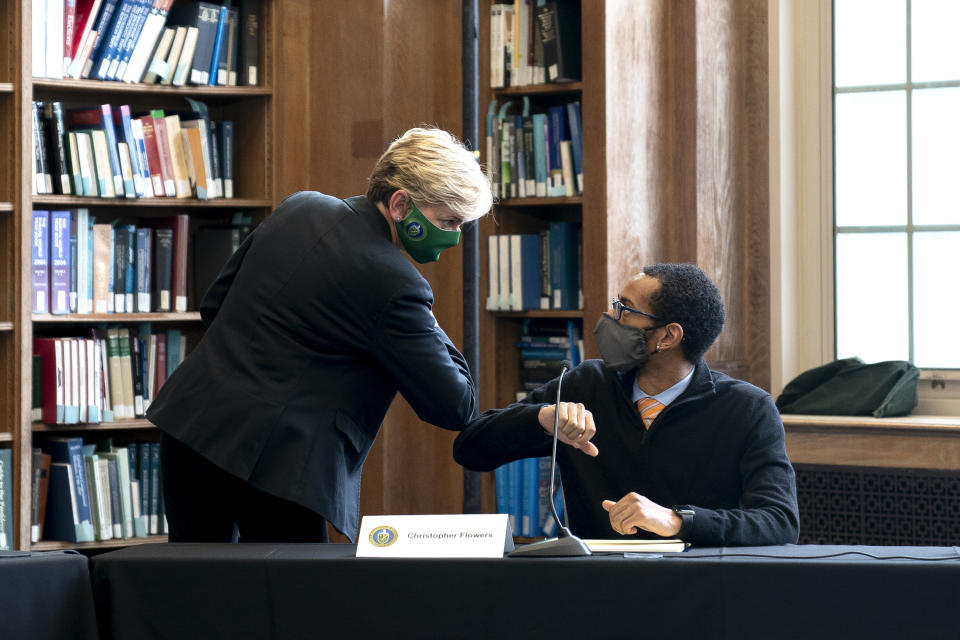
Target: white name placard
(461, 535)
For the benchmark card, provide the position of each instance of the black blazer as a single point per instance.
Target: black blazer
(313, 326)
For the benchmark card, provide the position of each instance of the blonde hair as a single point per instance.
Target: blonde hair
(434, 168)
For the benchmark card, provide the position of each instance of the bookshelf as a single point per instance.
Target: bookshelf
(611, 237)
(251, 108)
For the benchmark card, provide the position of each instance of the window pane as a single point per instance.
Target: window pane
(936, 156)
(870, 42)
(936, 48)
(936, 305)
(871, 295)
(871, 158)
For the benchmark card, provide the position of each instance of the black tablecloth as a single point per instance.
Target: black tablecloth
(318, 591)
(45, 596)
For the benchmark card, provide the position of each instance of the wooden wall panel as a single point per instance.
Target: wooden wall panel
(352, 77)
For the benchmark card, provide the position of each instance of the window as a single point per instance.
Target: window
(896, 154)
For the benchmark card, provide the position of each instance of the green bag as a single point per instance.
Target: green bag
(849, 387)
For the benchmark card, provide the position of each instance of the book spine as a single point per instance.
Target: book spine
(226, 156)
(213, 75)
(40, 260)
(249, 42)
(60, 262)
(6, 499)
(143, 267)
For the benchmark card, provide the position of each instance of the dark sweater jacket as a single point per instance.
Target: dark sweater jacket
(717, 449)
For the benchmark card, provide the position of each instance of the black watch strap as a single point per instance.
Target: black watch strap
(686, 517)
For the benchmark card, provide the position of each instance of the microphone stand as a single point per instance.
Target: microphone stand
(565, 544)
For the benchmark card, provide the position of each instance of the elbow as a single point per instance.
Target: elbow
(467, 457)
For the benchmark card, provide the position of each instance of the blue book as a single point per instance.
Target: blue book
(155, 487)
(101, 27)
(217, 45)
(540, 154)
(173, 350)
(130, 267)
(558, 133)
(6, 499)
(573, 334)
(576, 141)
(525, 271)
(226, 156)
(74, 225)
(544, 353)
(123, 124)
(89, 288)
(118, 66)
(70, 451)
(531, 496)
(143, 261)
(516, 496)
(143, 474)
(111, 43)
(60, 262)
(564, 267)
(40, 260)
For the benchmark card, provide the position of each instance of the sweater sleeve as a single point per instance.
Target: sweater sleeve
(768, 513)
(499, 436)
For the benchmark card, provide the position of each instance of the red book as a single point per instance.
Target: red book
(160, 375)
(153, 157)
(51, 379)
(163, 150)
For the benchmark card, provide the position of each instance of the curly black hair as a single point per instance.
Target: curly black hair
(688, 297)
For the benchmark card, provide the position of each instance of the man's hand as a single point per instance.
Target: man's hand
(576, 426)
(634, 511)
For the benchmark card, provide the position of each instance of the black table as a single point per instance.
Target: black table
(319, 591)
(45, 596)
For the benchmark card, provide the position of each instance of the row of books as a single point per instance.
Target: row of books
(84, 492)
(82, 266)
(544, 348)
(6, 499)
(149, 41)
(522, 492)
(535, 155)
(535, 271)
(110, 374)
(109, 152)
(534, 41)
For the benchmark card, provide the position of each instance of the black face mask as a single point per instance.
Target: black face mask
(622, 347)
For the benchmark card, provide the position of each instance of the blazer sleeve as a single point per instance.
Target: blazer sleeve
(429, 371)
(217, 293)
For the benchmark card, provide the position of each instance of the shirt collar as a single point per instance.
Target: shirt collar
(667, 396)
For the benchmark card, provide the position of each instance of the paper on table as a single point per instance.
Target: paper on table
(635, 546)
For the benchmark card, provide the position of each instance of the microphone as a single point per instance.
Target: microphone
(565, 544)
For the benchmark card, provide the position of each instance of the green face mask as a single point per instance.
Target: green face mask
(422, 239)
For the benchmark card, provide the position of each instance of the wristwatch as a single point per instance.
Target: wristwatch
(686, 517)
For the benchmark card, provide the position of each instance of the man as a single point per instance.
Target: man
(660, 444)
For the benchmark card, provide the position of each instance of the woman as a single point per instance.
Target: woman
(312, 327)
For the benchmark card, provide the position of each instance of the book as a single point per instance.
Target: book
(158, 68)
(558, 22)
(524, 272)
(40, 260)
(40, 483)
(6, 499)
(178, 158)
(60, 263)
(204, 17)
(67, 450)
(636, 546)
(42, 178)
(171, 64)
(180, 226)
(220, 34)
(56, 131)
(186, 56)
(249, 43)
(226, 156)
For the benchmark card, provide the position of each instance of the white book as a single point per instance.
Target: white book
(493, 273)
(101, 158)
(53, 39)
(75, 175)
(88, 171)
(39, 38)
(146, 43)
(126, 171)
(141, 150)
(516, 274)
(504, 253)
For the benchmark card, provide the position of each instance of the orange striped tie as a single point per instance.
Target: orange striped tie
(649, 409)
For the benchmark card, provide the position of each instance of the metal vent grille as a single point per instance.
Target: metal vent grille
(878, 506)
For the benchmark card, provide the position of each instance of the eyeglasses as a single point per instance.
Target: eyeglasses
(619, 308)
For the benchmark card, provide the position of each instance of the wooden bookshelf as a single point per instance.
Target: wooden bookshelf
(540, 89)
(252, 111)
(56, 545)
(179, 203)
